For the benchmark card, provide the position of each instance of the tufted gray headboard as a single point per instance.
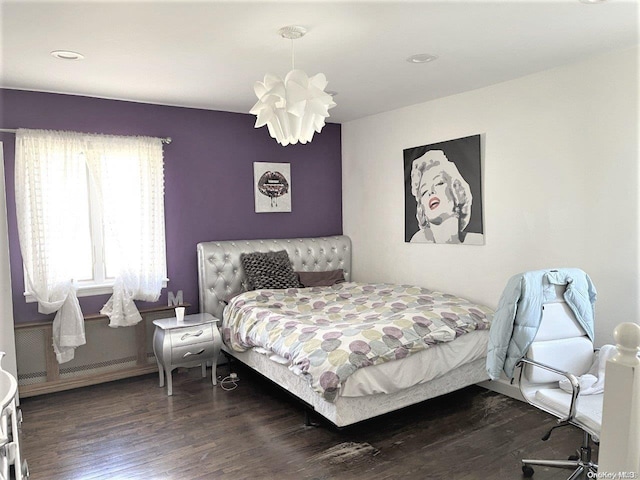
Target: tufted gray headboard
(220, 272)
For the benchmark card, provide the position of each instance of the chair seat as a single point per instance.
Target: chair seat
(588, 410)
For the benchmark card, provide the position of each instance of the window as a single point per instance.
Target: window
(82, 245)
(90, 213)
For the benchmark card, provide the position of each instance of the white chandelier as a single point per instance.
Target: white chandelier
(293, 108)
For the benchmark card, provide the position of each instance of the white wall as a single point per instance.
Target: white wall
(7, 342)
(560, 185)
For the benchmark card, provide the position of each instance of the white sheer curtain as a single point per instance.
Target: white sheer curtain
(48, 172)
(128, 173)
(51, 185)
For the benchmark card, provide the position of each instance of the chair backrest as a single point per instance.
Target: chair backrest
(560, 342)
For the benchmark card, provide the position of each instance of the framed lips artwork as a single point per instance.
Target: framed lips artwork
(272, 187)
(443, 192)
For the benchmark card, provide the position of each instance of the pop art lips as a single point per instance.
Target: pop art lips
(273, 184)
(433, 203)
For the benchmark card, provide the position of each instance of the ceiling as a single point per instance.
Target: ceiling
(208, 54)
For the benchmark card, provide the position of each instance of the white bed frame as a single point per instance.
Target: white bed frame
(220, 274)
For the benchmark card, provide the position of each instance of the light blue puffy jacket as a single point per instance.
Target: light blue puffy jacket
(519, 312)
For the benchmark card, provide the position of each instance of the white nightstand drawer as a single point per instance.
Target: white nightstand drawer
(190, 335)
(192, 353)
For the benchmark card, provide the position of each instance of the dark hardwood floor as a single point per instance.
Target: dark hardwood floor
(131, 430)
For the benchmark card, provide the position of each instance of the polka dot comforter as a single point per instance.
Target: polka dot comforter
(326, 333)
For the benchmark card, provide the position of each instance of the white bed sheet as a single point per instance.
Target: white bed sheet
(421, 367)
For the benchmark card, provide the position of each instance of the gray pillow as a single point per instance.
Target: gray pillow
(268, 270)
(321, 279)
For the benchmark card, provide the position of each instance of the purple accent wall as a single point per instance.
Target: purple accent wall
(208, 178)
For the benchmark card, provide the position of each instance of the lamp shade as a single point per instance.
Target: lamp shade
(293, 109)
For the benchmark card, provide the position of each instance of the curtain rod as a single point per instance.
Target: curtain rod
(165, 140)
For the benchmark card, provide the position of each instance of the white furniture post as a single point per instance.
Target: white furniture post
(10, 419)
(620, 436)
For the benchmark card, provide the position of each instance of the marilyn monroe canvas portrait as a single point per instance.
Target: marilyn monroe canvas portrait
(443, 193)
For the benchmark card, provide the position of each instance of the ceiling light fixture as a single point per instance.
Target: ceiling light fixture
(293, 108)
(422, 58)
(67, 55)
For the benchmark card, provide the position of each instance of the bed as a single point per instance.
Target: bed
(376, 387)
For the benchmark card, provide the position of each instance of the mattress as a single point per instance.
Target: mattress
(349, 410)
(419, 368)
(416, 369)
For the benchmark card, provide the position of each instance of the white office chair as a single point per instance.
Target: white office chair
(561, 349)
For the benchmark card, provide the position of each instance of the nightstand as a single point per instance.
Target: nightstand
(186, 344)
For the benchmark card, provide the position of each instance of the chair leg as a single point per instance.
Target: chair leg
(577, 474)
(570, 464)
(585, 449)
(580, 465)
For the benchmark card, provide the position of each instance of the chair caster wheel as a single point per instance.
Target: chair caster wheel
(573, 458)
(527, 471)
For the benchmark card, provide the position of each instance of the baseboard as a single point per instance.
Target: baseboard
(503, 386)
(61, 385)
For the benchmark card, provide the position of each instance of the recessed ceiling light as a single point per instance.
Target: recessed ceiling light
(67, 55)
(422, 58)
(592, 1)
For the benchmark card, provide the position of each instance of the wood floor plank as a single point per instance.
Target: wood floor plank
(129, 429)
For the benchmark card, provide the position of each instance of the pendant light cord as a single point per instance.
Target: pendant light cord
(292, 32)
(293, 62)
